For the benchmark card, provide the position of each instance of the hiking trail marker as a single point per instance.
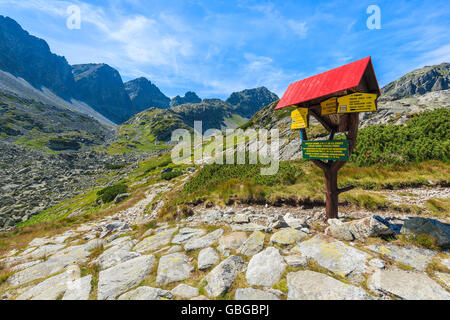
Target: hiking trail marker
(334, 98)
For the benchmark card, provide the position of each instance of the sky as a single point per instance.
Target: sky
(217, 47)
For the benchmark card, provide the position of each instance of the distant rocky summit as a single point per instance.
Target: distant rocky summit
(144, 95)
(28, 57)
(420, 81)
(101, 86)
(247, 102)
(189, 97)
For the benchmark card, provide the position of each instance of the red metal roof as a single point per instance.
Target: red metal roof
(325, 84)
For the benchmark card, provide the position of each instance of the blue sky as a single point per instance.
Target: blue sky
(217, 47)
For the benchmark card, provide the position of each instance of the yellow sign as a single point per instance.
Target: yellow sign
(329, 106)
(299, 118)
(357, 102)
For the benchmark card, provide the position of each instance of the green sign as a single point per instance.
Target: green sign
(325, 150)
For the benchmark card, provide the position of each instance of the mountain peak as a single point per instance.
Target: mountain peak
(144, 94)
(419, 81)
(189, 97)
(249, 101)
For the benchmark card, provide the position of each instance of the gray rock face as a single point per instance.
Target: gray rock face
(437, 230)
(250, 101)
(79, 289)
(417, 258)
(122, 277)
(207, 258)
(334, 255)
(114, 256)
(184, 291)
(310, 285)
(254, 294)
(265, 268)
(407, 285)
(220, 279)
(156, 241)
(144, 94)
(172, 268)
(420, 81)
(186, 234)
(288, 236)
(53, 287)
(359, 229)
(253, 244)
(204, 241)
(146, 293)
(101, 87)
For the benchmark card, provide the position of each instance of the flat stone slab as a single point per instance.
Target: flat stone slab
(253, 245)
(184, 291)
(334, 255)
(265, 268)
(220, 279)
(296, 261)
(122, 277)
(146, 293)
(417, 258)
(52, 288)
(172, 268)
(254, 294)
(233, 240)
(288, 236)
(115, 255)
(186, 234)
(407, 285)
(310, 285)
(248, 227)
(79, 289)
(156, 241)
(207, 258)
(204, 241)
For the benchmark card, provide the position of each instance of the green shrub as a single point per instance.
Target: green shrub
(170, 175)
(424, 137)
(108, 194)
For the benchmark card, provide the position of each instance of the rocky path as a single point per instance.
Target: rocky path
(240, 253)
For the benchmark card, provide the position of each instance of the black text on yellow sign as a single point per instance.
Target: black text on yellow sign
(357, 102)
(336, 150)
(329, 106)
(299, 118)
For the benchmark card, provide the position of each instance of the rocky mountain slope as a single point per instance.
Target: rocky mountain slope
(247, 102)
(101, 86)
(240, 252)
(189, 97)
(144, 95)
(420, 81)
(30, 58)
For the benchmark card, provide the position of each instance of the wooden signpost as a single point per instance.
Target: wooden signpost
(334, 98)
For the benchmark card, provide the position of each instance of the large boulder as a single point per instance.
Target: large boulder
(334, 255)
(359, 229)
(439, 231)
(79, 289)
(232, 241)
(156, 241)
(203, 242)
(407, 285)
(207, 258)
(265, 268)
(253, 245)
(417, 258)
(310, 285)
(116, 280)
(288, 236)
(172, 268)
(186, 234)
(220, 279)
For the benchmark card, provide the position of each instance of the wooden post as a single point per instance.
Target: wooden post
(331, 168)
